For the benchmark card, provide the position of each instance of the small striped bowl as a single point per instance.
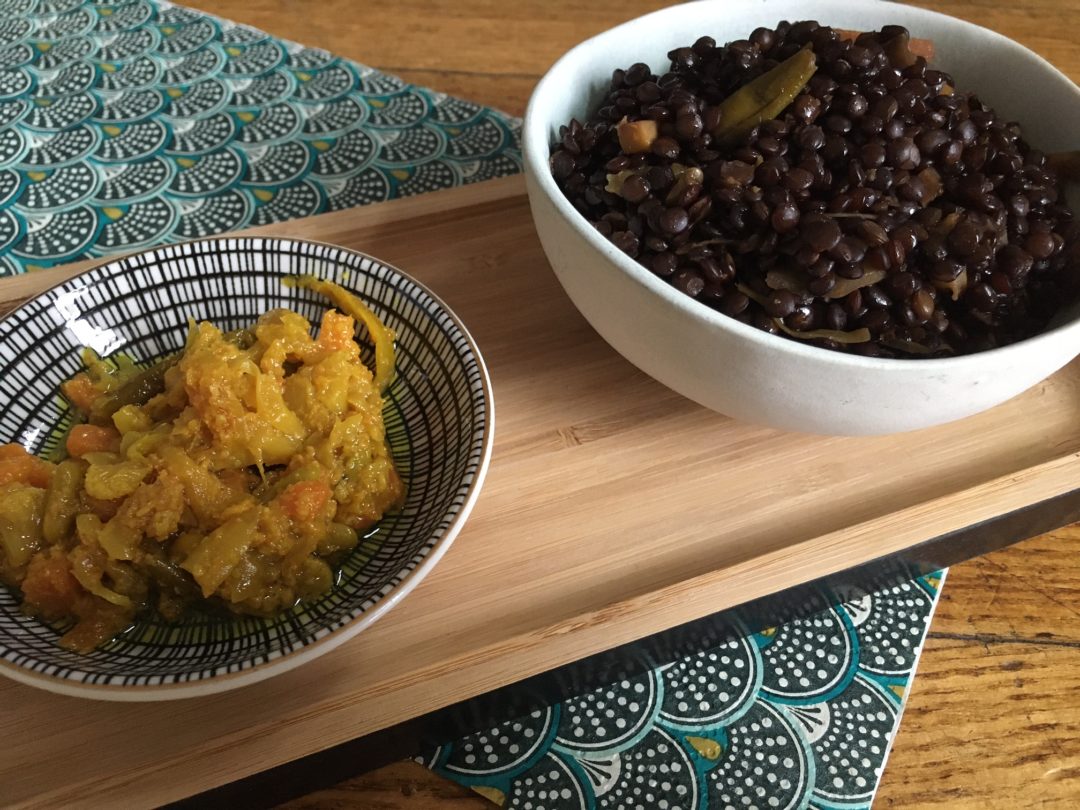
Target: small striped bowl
(439, 419)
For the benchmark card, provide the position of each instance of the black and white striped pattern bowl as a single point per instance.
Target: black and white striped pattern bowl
(439, 419)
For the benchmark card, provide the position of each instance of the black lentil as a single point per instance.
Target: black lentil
(946, 229)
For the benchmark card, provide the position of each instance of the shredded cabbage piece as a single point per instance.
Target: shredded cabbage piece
(858, 336)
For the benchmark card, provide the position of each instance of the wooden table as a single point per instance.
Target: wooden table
(994, 716)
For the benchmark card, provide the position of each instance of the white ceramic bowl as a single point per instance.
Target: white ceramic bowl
(737, 369)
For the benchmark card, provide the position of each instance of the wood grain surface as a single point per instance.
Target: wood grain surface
(994, 717)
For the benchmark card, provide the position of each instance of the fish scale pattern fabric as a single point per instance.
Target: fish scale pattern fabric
(130, 124)
(796, 716)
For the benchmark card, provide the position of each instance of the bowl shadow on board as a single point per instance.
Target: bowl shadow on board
(559, 325)
(553, 320)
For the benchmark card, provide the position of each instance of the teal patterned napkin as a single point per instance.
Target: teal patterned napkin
(130, 124)
(796, 716)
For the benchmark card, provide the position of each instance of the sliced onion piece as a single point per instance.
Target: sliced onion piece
(753, 296)
(849, 285)
(615, 181)
(956, 287)
(909, 346)
(785, 280)
(861, 335)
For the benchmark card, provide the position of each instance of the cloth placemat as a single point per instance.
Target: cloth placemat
(801, 715)
(130, 124)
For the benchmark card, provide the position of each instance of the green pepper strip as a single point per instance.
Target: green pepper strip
(764, 98)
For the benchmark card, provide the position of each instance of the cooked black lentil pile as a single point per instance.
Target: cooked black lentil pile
(880, 210)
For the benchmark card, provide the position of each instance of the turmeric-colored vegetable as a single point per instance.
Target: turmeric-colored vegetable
(21, 510)
(381, 336)
(222, 551)
(306, 500)
(62, 501)
(81, 392)
(226, 472)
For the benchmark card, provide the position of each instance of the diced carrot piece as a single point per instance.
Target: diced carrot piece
(923, 48)
(336, 332)
(305, 500)
(98, 622)
(80, 391)
(12, 450)
(49, 586)
(85, 439)
(19, 467)
(13, 471)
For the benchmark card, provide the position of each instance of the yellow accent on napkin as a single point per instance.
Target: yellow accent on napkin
(710, 749)
(491, 794)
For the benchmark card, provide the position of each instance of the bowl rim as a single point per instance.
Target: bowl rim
(217, 683)
(536, 149)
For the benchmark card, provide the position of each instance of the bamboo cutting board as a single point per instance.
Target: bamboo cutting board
(613, 509)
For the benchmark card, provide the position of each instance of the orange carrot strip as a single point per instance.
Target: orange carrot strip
(49, 588)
